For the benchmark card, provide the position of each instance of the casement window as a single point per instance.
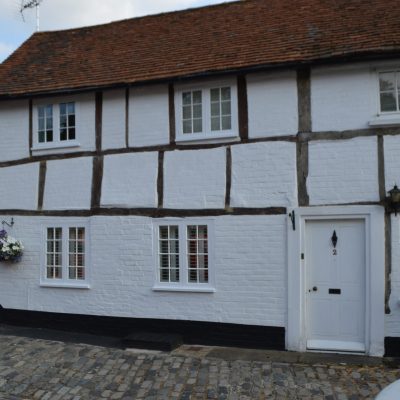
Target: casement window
(184, 257)
(56, 125)
(389, 91)
(206, 112)
(65, 256)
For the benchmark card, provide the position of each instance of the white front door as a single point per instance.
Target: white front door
(335, 285)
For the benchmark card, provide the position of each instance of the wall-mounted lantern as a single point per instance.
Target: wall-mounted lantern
(394, 200)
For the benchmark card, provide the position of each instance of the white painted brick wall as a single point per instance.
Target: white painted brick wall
(392, 321)
(85, 122)
(343, 99)
(68, 184)
(250, 266)
(113, 129)
(19, 187)
(392, 177)
(272, 104)
(392, 161)
(264, 175)
(148, 116)
(195, 179)
(343, 171)
(130, 180)
(14, 130)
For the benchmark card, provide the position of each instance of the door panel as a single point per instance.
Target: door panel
(336, 310)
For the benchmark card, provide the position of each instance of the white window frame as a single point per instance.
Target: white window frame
(384, 118)
(65, 282)
(184, 285)
(57, 143)
(207, 133)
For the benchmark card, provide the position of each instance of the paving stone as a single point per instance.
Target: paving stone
(45, 370)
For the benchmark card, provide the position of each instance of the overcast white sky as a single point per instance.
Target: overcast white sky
(63, 14)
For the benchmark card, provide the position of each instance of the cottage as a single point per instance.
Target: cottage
(219, 172)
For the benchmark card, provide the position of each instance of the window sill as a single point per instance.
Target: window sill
(205, 137)
(65, 285)
(193, 289)
(56, 145)
(385, 121)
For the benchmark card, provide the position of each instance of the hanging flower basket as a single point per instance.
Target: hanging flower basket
(11, 250)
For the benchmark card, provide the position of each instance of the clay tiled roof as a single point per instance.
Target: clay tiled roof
(226, 37)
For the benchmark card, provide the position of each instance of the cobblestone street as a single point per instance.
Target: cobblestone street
(42, 369)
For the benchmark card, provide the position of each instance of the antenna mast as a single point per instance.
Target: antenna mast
(25, 4)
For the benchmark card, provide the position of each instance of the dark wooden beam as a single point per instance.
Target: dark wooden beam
(30, 126)
(97, 178)
(160, 180)
(42, 183)
(99, 120)
(242, 108)
(228, 178)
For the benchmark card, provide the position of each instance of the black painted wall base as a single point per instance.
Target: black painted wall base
(192, 332)
(392, 346)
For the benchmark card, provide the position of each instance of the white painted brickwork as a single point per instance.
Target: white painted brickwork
(272, 104)
(195, 179)
(14, 130)
(264, 175)
(250, 271)
(392, 321)
(85, 122)
(113, 129)
(68, 184)
(392, 161)
(130, 180)
(19, 187)
(342, 99)
(392, 177)
(148, 116)
(343, 171)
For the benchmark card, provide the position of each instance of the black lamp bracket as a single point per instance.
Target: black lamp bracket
(9, 224)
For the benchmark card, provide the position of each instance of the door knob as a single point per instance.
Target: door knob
(314, 289)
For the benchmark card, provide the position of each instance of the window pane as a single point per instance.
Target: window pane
(203, 276)
(41, 112)
(163, 232)
(63, 108)
(71, 120)
(63, 134)
(187, 126)
(215, 124)
(49, 110)
(187, 98)
(226, 123)
(71, 133)
(197, 111)
(49, 122)
(174, 261)
(187, 112)
(192, 231)
(63, 121)
(197, 125)
(226, 93)
(197, 97)
(164, 275)
(387, 81)
(192, 276)
(388, 101)
(174, 246)
(71, 108)
(174, 275)
(202, 230)
(226, 108)
(163, 246)
(49, 136)
(41, 137)
(214, 93)
(174, 232)
(215, 109)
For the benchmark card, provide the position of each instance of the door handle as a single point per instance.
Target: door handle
(314, 289)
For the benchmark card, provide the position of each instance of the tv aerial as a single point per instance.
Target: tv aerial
(27, 4)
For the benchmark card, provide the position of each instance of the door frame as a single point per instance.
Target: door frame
(373, 216)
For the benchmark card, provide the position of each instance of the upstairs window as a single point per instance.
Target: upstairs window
(183, 256)
(389, 91)
(207, 112)
(56, 125)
